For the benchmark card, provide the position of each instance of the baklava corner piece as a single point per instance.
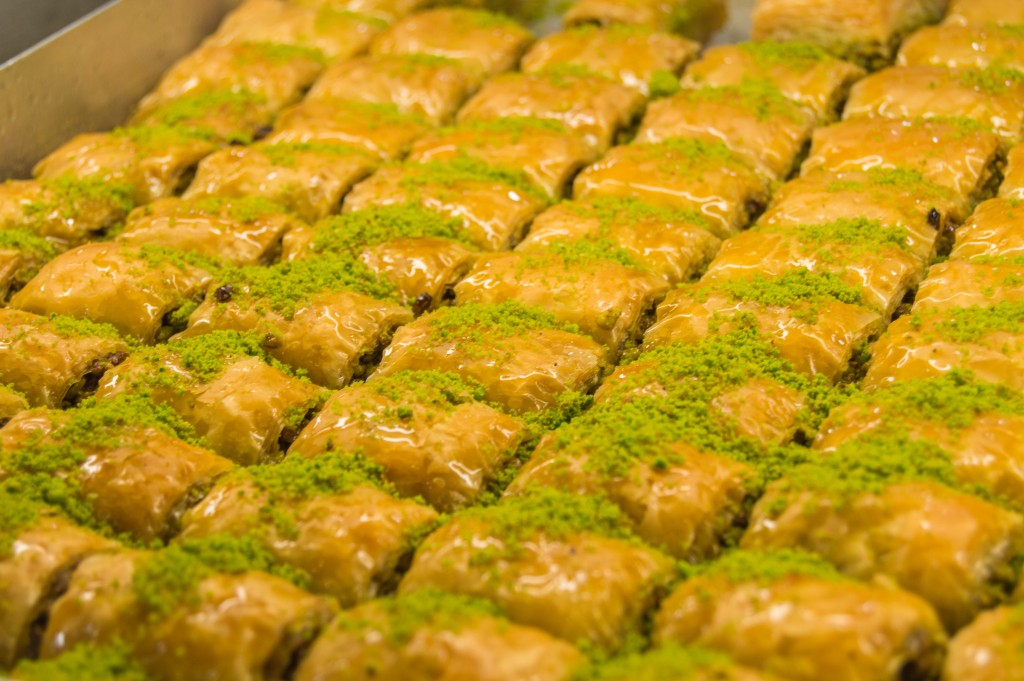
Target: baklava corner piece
(867, 33)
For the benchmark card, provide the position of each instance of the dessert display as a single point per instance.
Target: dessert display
(393, 339)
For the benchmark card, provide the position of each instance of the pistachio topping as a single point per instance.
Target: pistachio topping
(350, 233)
(741, 566)
(84, 662)
(286, 287)
(402, 617)
(666, 662)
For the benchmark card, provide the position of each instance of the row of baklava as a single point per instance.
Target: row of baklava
(942, 379)
(321, 519)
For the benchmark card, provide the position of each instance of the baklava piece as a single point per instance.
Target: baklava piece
(738, 395)
(597, 287)
(429, 634)
(178, 610)
(280, 73)
(987, 339)
(309, 179)
(54, 361)
(816, 321)
(979, 424)
(430, 431)
(328, 317)
(119, 463)
(759, 124)
(155, 161)
(22, 254)
(419, 85)
(484, 43)
(962, 283)
(12, 403)
(547, 152)
(64, 210)
(242, 231)
(792, 613)
(895, 198)
(559, 562)
(386, 10)
(379, 129)
(142, 292)
(992, 98)
(891, 507)
(636, 56)
(866, 33)
(697, 19)
(494, 205)
(988, 649)
(994, 230)
(421, 252)
(675, 497)
(524, 359)
(864, 254)
(964, 47)
(329, 519)
(591, 105)
(957, 154)
(40, 552)
(673, 244)
(338, 33)
(244, 406)
(803, 72)
(982, 12)
(1013, 179)
(682, 174)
